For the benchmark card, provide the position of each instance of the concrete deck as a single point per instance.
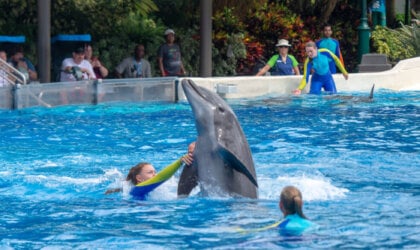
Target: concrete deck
(404, 76)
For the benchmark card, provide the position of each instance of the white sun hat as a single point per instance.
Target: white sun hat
(283, 42)
(169, 31)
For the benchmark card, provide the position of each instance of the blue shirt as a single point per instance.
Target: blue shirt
(334, 46)
(378, 6)
(282, 68)
(293, 224)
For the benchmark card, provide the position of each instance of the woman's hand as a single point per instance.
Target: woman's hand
(346, 76)
(187, 159)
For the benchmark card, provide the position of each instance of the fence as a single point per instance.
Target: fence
(18, 96)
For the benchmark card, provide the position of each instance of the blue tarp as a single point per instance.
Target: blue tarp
(71, 38)
(12, 39)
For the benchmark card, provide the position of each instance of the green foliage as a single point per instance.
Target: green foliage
(398, 44)
(19, 18)
(345, 21)
(116, 27)
(225, 54)
(244, 32)
(273, 21)
(180, 13)
(226, 57)
(227, 21)
(228, 46)
(400, 18)
(228, 40)
(190, 50)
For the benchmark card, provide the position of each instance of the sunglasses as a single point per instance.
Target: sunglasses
(283, 46)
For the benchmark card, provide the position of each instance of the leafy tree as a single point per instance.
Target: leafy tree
(319, 8)
(397, 44)
(115, 26)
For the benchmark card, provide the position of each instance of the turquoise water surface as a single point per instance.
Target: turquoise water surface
(356, 163)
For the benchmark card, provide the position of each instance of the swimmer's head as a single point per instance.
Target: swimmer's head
(141, 172)
(311, 49)
(291, 201)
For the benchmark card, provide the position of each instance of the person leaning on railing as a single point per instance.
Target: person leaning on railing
(76, 68)
(23, 64)
(3, 70)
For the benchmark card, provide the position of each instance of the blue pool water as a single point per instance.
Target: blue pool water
(356, 163)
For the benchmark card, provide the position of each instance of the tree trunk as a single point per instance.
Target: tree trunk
(325, 8)
(390, 12)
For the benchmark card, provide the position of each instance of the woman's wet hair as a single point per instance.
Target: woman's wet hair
(292, 201)
(311, 44)
(131, 176)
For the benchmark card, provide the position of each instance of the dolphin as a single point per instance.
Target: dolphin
(223, 162)
(354, 99)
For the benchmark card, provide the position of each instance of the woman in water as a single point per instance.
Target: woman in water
(291, 203)
(317, 64)
(145, 171)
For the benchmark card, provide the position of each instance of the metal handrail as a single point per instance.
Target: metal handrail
(12, 75)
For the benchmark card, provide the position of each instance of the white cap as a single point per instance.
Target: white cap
(169, 31)
(283, 42)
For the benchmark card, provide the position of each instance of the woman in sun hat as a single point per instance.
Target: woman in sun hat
(282, 63)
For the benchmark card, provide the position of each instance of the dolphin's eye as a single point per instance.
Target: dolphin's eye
(221, 109)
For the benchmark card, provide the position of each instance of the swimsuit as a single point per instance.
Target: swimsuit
(321, 73)
(333, 46)
(293, 224)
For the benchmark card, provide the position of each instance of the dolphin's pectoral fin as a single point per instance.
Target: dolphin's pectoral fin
(188, 180)
(237, 164)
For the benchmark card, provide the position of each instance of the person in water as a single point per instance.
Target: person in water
(291, 205)
(144, 171)
(317, 64)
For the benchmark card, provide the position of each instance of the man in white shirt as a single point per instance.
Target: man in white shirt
(76, 68)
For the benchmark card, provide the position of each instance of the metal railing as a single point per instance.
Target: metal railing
(9, 75)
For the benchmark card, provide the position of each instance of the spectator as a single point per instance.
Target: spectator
(169, 56)
(282, 62)
(76, 68)
(327, 42)
(134, 66)
(378, 12)
(23, 64)
(98, 68)
(3, 70)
